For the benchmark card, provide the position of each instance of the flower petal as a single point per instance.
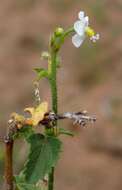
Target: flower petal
(79, 27)
(81, 15)
(86, 20)
(97, 36)
(77, 40)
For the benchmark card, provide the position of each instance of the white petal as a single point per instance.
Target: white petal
(86, 20)
(77, 40)
(79, 27)
(97, 36)
(81, 15)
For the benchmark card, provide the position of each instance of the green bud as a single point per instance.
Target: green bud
(59, 31)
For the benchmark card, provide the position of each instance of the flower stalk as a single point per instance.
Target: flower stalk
(56, 41)
(53, 86)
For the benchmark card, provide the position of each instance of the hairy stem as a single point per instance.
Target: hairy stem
(53, 86)
(9, 164)
(55, 45)
(53, 83)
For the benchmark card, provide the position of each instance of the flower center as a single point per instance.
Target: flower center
(89, 31)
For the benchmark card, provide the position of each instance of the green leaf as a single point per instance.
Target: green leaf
(41, 73)
(44, 153)
(65, 132)
(24, 132)
(22, 185)
(25, 186)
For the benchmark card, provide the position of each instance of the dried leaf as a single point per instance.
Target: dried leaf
(37, 114)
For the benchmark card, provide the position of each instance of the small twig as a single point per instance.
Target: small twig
(8, 164)
(36, 93)
(9, 155)
(81, 118)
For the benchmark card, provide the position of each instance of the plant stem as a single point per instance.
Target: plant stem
(55, 45)
(9, 165)
(51, 180)
(53, 86)
(53, 83)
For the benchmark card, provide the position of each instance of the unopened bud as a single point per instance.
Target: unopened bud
(59, 31)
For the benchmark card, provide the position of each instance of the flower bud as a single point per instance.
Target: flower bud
(59, 31)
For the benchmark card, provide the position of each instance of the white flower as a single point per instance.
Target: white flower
(82, 30)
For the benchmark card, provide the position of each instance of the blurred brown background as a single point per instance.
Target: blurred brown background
(90, 78)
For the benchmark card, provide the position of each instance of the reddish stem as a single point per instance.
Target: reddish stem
(9, 164)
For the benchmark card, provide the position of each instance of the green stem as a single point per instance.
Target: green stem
(55, 45)
(53, 86)
(68, 32)
(53, 82)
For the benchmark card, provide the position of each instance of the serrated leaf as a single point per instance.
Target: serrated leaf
(65, 132)
(22, 185)
(25, 186)
(44, 153)
(41, 73)
(24, 132)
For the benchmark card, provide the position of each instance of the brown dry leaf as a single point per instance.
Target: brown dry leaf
(17, 117)
(20, 119)
(37, 114)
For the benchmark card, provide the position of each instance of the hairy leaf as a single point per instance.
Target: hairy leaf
(24, 132)
(22, 185)
(25, 186)
(44, 153)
